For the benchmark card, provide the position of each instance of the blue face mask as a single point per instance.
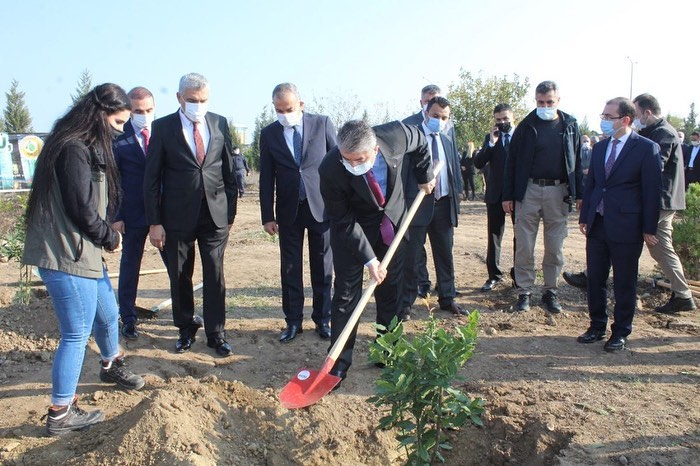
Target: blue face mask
(547, 113)
(607, 127)
(435, 125)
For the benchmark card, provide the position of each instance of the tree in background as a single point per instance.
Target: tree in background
(267, 116)
(338, 108)
(676, 121)
(235, 137)
(84, 85)
(473, 98)
(690, 123)
(17, 118)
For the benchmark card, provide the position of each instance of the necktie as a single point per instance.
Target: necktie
(506, 141)
(146, 138)
(608, 168)
(198, 144)
(436, 158)
(386, 228)
(296, 140)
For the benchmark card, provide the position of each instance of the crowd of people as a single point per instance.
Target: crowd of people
(125, 177)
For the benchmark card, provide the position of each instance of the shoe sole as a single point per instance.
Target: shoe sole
(137, 386)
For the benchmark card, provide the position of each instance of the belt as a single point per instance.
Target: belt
(546, 182)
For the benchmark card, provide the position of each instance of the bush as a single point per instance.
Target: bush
(686, 233)
(417, 385)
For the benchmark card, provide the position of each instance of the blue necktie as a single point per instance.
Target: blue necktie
(297, 159)
(436, 158)
(608, 168)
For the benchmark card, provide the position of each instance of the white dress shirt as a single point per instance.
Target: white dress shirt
(444, 181)
(289, 135)
(188, 132)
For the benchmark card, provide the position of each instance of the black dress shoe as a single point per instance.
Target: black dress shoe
(677, 304)
(523, 304)
(615, 343)
(338, 373)
(129, 332)
(490, 284)
(592, 335)
(551, 303)
(577, 280)
(290, 333)
(184, 343)
(324, 331)
(223, 348)
(455, 309)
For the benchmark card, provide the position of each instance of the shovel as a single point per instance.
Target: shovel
(309, 386)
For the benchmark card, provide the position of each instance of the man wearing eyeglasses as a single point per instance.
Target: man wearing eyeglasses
(619, 213)
(542, 178)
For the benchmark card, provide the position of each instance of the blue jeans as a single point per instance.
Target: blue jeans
(82, 306)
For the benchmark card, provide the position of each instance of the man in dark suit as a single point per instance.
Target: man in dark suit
(130, 219)
(437, 215)
(240, 166)
(691, 160)
(656, 128)
(619, 213)
(190, 194)
(362, 184)
(291, 149)
(493, 154)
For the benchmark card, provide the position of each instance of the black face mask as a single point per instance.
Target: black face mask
(115, 132)
(504, 127)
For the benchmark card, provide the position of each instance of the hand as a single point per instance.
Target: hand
(119, 226)
(157, 235)
(270, 228)
(118, 247)
(582, 228)
(508, 207)
(494, 134)
(428, 187)
(377, 271)
(579, 202)
(651, 240)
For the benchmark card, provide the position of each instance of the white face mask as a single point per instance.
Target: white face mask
(547, 113)
(142, 121)
(695, 143)
(289, 119)
(196, 111)
(358, 170)
(638, 124)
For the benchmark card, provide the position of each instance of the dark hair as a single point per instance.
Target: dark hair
(546, 86)
(695, 133)
(648, 102)
(502, 108)
(441, 101)
(139, 93)
(625, 107)
(85, 122)
(430, 89)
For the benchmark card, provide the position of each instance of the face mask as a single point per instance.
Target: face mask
(358, 170)
(289, 119)
(196, 111)
(435, 125)
(504, 127)
(695, 143)
(425, 108)
(586, 145)
(547, 113)
(142, 121)
(607, 127)
(638, 124)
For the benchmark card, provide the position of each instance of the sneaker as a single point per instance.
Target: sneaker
(129, 332)
(577, 280)
(676, 304)
(70, 418)
(115, 372)
(551, 303)
(523, 303)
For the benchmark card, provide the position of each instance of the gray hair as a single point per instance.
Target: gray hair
(192, 81)
(430, 89)
(285, 88)
(546, 86)
(356, 136)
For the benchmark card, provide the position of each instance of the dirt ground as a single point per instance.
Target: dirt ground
(548, 399)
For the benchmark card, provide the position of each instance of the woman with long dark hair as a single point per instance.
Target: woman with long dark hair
(74, 183)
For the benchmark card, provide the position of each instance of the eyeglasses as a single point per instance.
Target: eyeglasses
(607, 117)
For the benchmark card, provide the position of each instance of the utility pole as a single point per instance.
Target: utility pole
(632, 63)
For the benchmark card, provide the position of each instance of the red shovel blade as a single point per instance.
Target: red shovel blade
(307, 387)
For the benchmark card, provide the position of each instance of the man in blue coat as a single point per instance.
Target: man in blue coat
(619, 213)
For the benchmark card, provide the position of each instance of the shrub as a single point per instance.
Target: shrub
(686, 233)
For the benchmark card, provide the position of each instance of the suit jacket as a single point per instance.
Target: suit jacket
(174, 181)
(495, 157)
(353, 213)
(280, 175)
(631, 192)
(673, 190)
(424, 215)
(131, 163)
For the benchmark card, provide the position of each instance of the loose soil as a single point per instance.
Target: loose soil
(548, 399)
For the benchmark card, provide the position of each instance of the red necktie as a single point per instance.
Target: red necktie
(198, 144)
(375, 188)
(146, 138)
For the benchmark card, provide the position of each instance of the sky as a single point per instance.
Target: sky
(380, 51)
